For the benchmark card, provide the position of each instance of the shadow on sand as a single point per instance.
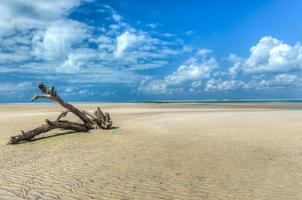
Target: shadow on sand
(58, 134)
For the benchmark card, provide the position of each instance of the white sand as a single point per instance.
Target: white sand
(158, 151)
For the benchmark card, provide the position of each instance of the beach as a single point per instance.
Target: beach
(156, 151)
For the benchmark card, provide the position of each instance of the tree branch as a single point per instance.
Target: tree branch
(52, 94)
(63, 114)
(50, 125)
(35, 97)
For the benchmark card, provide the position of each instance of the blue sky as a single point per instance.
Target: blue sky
(128, 50)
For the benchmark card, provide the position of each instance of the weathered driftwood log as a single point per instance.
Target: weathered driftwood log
(90, 121)
(50, 125)
(102, 120)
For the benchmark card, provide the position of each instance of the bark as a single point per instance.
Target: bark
(90, 121)
(102, 120)
(52, 95)
(50, 125)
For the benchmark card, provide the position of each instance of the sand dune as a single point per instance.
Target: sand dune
(157, 151)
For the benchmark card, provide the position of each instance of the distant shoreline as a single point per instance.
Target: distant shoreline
(171, 101)
(232, 101)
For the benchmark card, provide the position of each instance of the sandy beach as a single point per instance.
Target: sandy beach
(157, 151)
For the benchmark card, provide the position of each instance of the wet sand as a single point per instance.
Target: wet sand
(157, 151)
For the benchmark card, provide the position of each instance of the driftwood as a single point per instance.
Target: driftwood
(89, 120)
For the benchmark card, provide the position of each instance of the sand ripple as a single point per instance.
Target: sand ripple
(180, 154)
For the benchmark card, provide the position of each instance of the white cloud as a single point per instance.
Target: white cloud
(19, 15)
(77, 90)
(69, 90)
(196, 84)
(85, 93)
(126, 40)
(190, 33)
(152, 25)
(219, 85)
(71, 65)
(13, 57)
(37, 37)
(204, 52)
(137, 49)
(58, 39)
(279, 81)
(270, 55)
(193, 70)
(156, 86)
(79, 61)
(37, 30)
(286, 78)
(116, 17)
(40, 38)
(258, 83)
(169, 35)
(235, 69)
(101, 74)
(14, 89)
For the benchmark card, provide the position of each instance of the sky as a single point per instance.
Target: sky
(139, 50)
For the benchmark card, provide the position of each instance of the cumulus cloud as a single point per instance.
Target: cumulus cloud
(39, 37)
(286, 78)
(21, 15)
(126, 40)
(272, 64)
(37, 30)
(58, 39)
(258, 83)
(279, 81)
(219, 85)
(263, 69)
(193, 70)
(270, 55)
(136, 49)
(76, 60)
